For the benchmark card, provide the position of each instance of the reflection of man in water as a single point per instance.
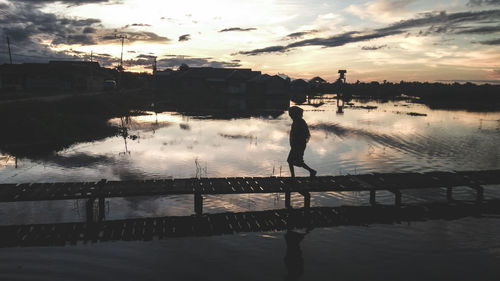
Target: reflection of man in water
(299, 136)
(293, 259)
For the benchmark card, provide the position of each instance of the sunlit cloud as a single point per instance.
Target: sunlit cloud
(385, 11)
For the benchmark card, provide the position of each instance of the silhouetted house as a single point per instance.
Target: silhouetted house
(18, 76)
(268, 85)
(164, 80)
(214, 80)
(299, 86)
(55, 75)
(318, 84)
(317, 80)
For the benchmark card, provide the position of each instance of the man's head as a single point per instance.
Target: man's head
(295, 112)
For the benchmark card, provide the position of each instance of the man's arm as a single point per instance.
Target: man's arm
(306, 132)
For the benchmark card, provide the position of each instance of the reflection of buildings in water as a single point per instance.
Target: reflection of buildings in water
(299, 99)
(7, 160)
(309, 100)
(228, 106)
(314, 101)
(340, 105)
(340, 94)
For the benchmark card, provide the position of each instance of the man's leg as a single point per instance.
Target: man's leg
(312, 172)
(292, 171)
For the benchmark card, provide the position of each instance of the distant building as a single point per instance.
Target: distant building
(317, 80)
(268, 85)
(55, 75)
(318, 84)
(219, 80)
(205, 79)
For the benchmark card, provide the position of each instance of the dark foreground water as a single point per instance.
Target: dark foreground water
(367, 137)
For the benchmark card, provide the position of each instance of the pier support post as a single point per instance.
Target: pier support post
(198, 204)
(373, 202)
(101, 206)
(89, 208)
(397, 197)
(307, 198)
(449, 193)
(288, 203)
(479, 193)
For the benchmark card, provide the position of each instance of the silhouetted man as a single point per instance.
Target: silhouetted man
(299, 136)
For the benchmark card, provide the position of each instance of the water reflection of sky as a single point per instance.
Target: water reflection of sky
(383, 139)
(360, 140)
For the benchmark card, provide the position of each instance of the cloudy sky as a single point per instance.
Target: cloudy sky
(412, 40)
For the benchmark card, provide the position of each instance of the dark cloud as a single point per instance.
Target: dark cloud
(493, 42)
(479, 30)
(105, 60)
(26, 25)
(136, 25)
(137, 36)
(80, 39)
(298, 35)
(82, 22)
(436, 22)
(185, 37)
(142, 56)
(237, 29)
(139, 62)
(475, 3)
(69, 2)
(29, 28)
(89, 29)
(334, 41)
(373, 48)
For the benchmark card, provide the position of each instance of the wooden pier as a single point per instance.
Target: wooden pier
(146, 229)
(393, 182)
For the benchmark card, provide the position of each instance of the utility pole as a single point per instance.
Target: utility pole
(8, 46)
(154, 65)
(91, 54)
(122, 37)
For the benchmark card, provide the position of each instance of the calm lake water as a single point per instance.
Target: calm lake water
(395, 136)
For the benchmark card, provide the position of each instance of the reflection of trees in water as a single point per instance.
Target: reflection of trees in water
(200, 170)
(123, 132)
